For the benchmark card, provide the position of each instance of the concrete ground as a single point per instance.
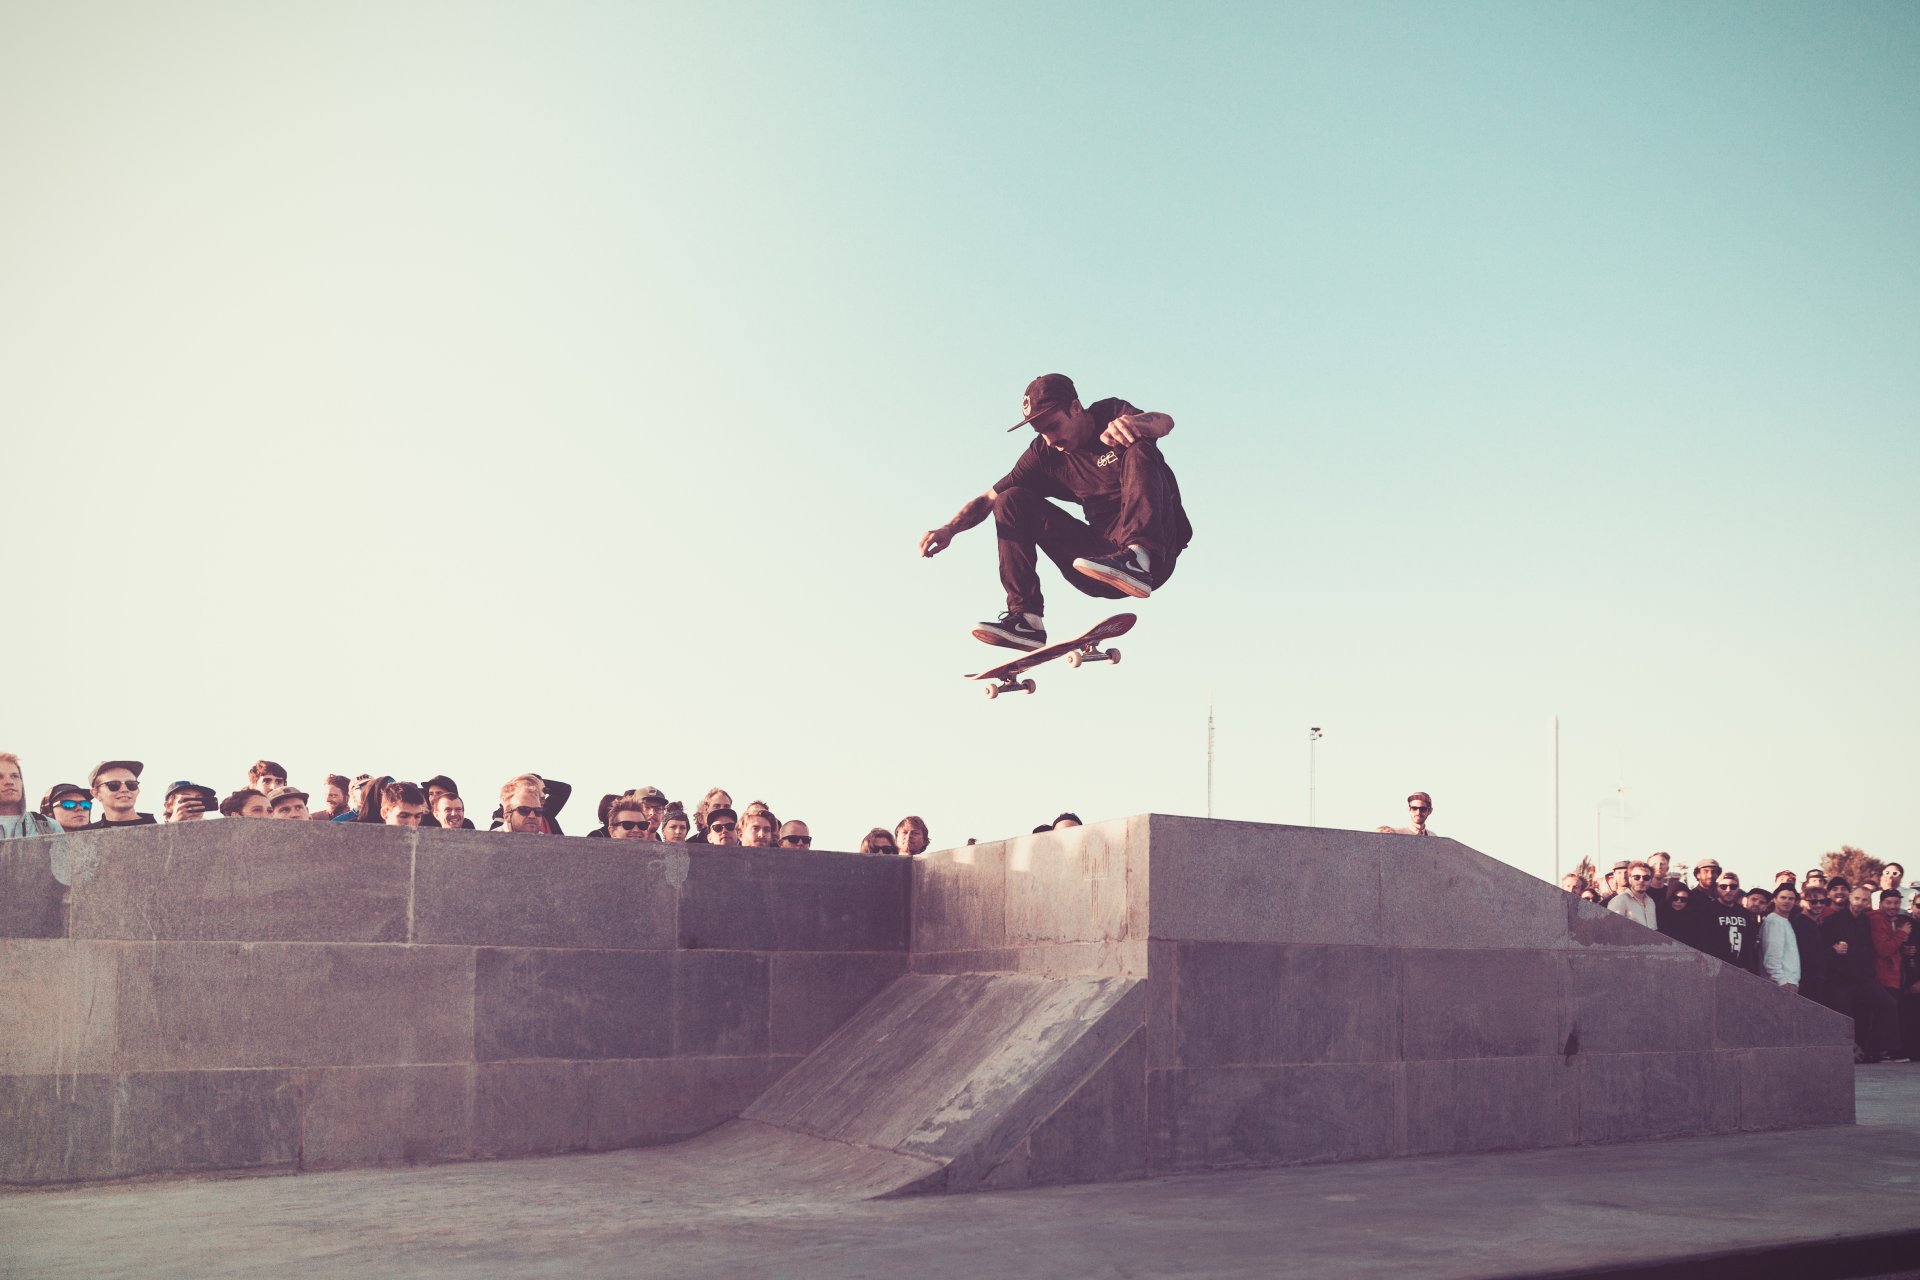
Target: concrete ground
(1687, 1207)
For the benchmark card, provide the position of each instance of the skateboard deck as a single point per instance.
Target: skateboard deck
(1084, 647)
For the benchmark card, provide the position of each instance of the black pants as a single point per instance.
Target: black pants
(1150, 515)
(1875, 1017)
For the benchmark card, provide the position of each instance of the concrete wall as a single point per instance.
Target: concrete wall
(1146, 995)
(230, 995)
(1317, 995)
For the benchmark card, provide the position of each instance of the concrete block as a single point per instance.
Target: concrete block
(813, 993)
(638, 1103)
(238, 1004)
(1818, 1025)
(1228, 1117)
(32, 899)
(248, 881)
(1098, 1135)
(1070, 886)
(485, 889)
(1590, 925)
(1057, 960)
(57, 1003)
(56, 1128)
(1251, 882)
(1490, 1104)
(572, 1004)
(186, 1121)
(1244, 1004)
(532, 1108)
(1782, 1088)
(1483, 1004)
(960, 899)
(1626, 1097)
(1750, 1012)
(930, 1063)
(778, 900)
(1630, 1002)
(362, 1116)
(1163, 1005)
(1440, 894)
(721, 1005)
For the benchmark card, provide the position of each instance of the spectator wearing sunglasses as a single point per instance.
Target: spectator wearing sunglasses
(1419, 806)
(523, 809)
(68, 804)
(553, 795)
(116, 794)
(716, 798)
(15, 820)
(878, 840)
(723, 826)
(795, 835)
(1672, 912)
(1635, 903)
(654, 801)
(1725, 929)
(627, 819)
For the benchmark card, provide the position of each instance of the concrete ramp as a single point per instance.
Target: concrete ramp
(942, 1082)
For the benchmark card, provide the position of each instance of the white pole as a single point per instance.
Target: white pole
(1313, 736)
(1556, 800)
(1209, 755)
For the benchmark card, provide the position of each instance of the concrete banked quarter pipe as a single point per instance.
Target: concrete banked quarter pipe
(1136, 997)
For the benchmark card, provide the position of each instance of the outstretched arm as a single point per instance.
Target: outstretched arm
(1129, 427)
(934, 541)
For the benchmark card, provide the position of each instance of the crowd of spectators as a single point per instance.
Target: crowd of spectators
(528, 804)
(1849, 946)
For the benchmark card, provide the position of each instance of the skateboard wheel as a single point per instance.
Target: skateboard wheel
(1075, 658)
(993, 691)
(1113, 655)
(1028, 684)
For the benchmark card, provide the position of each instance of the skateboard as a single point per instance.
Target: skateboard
(1082, 648)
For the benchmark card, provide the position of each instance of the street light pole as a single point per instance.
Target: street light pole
(1313, 736)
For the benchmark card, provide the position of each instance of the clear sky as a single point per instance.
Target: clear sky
(479, 388)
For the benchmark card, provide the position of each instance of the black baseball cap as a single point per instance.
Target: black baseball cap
(60, 791)
(1045, 393)
(207, 793)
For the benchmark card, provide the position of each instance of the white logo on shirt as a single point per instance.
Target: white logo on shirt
(1111, 455)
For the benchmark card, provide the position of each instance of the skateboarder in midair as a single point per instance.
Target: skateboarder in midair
(1103, 456)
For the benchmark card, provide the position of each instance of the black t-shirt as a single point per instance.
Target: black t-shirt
(1730, 933)
(1088, 475)
(138, 820)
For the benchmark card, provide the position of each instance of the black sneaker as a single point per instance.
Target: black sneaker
(1011, 631)
(1122, 569)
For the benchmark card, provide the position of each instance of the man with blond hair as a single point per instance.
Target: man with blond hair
(523, 804)
(15, 818)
